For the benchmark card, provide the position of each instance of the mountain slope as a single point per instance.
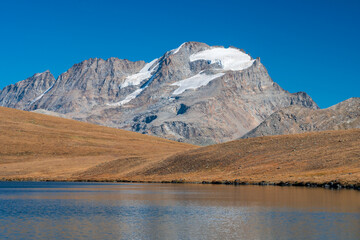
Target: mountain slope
(39, 146)
(24, 93)
(195, 93)
(296, 119)
(309, 157)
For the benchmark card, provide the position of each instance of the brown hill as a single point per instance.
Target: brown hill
(43, 147)
(310, 157)
(40, 147)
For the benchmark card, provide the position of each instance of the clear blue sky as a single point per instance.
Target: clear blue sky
(308, 45)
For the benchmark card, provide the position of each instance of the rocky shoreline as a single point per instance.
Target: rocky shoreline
(327, 185)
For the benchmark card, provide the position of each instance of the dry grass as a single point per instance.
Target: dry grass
(310, 157)
(44, 147)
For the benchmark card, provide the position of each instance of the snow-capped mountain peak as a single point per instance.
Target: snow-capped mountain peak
(195, 93)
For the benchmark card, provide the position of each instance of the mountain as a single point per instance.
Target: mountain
(38, 146)
(317, 157)
(297, 119)
(24, 93)
(196, 93)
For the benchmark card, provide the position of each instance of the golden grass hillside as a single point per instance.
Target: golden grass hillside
(40, 147)
(36, 146)
(310, 157)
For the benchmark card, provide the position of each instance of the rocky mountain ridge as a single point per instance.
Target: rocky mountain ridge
(297, 119)
(23, 94)
(195, 93)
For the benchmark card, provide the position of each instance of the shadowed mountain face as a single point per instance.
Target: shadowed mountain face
(297, 119)
(195, 93)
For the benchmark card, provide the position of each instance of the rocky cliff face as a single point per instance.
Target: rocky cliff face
(297, 119)
(23, 94)
(195, 93)
(88, 85)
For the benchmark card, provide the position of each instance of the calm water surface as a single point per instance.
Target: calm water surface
(175, 211)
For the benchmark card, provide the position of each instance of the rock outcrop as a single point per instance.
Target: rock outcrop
(297, 119)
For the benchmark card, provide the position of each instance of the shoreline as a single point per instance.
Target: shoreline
(334, 185)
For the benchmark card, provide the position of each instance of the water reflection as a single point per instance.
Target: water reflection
(166, 211)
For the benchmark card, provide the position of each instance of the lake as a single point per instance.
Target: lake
(51, 210)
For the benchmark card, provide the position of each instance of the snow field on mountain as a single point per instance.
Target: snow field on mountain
(129, 97)
(194, 82)
(230, 58)
(137, 78)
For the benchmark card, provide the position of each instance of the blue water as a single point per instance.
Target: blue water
(175, 211)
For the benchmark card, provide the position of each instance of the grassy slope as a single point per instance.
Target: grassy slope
(39, 146)
(43, 147)
(314, 157)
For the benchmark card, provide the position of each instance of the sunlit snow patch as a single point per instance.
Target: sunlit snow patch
(177, 49)
(137, 78)
(230, 58)
(41, 95)
(194, 82)
(128, 98)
